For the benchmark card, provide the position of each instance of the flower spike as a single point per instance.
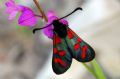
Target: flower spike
(27, 16)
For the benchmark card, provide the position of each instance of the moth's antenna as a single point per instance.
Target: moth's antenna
(79, 8)
(34, 30)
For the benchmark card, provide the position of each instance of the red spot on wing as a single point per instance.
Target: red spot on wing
(56, 60)
(84, 50)
(56, 40)
(79, 40)
(62, 53)
(60, 61)
(70, 35)
(76, 46)
(55, 50)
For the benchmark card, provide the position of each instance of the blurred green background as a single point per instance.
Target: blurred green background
(24, 55)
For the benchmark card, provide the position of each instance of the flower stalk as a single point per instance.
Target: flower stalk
(41, 10)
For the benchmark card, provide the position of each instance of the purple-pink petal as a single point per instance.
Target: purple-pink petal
(12, 15)
(64, 21)
(51, 17)
(48, 32)
(11, 9)
(10, 3)
(27, 18)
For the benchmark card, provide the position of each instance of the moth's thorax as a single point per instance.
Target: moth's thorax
(60, 28)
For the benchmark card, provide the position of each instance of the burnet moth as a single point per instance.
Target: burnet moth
(67, 45)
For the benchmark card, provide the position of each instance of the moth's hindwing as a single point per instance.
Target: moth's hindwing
(81, 51)
(61, 57)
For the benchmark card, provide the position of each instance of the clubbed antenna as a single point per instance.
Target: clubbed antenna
(36, 29)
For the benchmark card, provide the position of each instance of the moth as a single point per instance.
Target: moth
(67, 45)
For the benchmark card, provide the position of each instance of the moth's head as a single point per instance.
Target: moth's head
(56, 23)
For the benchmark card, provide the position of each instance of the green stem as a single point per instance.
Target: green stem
(90, 70)
(96, 71)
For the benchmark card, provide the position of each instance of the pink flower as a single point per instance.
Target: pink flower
(27, 17)
(12, 9)
(51, 17)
